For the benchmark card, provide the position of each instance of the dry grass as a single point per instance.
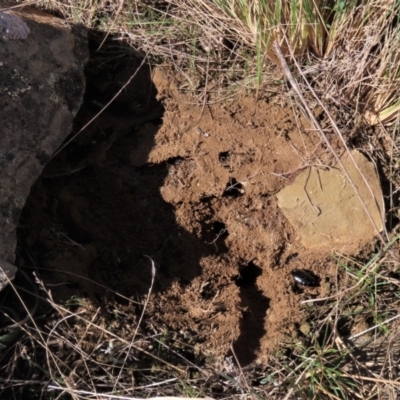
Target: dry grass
(83, 350)
(348, 348)
(347, 47)
(349, 56)
(350, 50)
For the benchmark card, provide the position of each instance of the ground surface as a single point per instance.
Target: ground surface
(194, 188)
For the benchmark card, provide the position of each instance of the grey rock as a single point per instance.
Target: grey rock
(12, 27)
(41, 89)
(7, 273)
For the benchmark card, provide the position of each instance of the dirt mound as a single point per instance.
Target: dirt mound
(194, 188)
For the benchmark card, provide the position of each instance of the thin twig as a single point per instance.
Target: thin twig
(58, 307)
(111, 396)
(81, 277)
(378, 380)
(102, 110)
(374, 327)
(153, 275)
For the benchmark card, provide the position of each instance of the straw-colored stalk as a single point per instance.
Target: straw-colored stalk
(383, 102)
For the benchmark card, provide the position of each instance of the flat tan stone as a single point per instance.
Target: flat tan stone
(325, 210)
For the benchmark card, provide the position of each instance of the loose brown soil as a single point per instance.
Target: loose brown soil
(192, 187)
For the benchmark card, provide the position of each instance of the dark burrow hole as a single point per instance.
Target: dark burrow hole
(290, 258)
(175, 160)
(215, 233)
(224, 158)
(220, 229)
(254, 306)
(209, 292)
(206, 199)
(248, 275)
(233, 188)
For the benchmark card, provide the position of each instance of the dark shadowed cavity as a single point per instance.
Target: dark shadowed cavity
(96, 216)
(254, 306)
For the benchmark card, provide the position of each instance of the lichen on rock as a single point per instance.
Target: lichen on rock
(12, 27)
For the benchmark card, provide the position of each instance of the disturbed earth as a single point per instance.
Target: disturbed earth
(158, 177)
